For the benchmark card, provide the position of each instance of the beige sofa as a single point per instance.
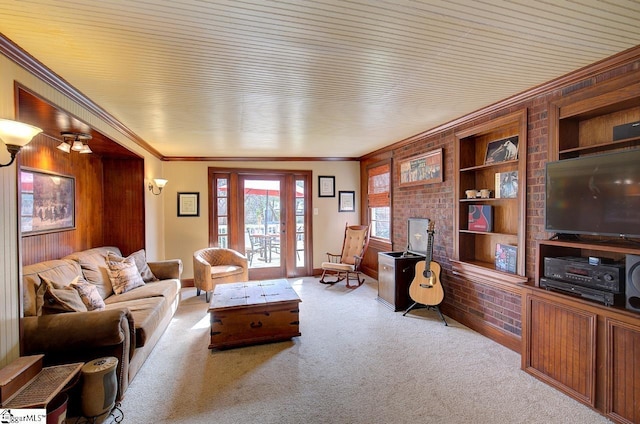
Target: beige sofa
(128, 326)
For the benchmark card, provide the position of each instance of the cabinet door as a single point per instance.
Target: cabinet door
(622, 371)
(386, 279)
(561, 347)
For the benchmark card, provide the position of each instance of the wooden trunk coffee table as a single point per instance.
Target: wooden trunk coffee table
(253, 312)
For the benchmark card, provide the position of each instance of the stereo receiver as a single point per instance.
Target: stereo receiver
(574, 270)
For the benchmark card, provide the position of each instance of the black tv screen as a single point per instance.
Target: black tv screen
(598, 195)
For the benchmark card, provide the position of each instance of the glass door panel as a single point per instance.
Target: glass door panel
(222, 190)
(262, 200)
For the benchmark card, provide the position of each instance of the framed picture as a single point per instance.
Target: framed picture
(326, 186)
(188, 204)
(346, 201)
(502, 150)
(423, 169)
(47, 202)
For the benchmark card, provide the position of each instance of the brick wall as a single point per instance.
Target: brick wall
(480, 306)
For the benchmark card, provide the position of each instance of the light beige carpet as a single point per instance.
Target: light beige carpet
(356, 362)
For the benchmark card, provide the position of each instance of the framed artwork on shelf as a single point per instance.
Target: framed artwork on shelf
(188, 204)
(502, 150)
(346, 201)
(506, 185)
(47, 202)
(506, 258)
(480, 218)
(423, 169)
(326, 186)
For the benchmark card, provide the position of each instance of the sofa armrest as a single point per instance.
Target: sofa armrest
(165, 270)
(83, 336)
(77, 331)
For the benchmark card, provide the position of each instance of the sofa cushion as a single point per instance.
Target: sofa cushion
(89, 295)
(147, 315)
(56, 270)
(124, 275)
(168, 289)
(141, 262)
(94, 267)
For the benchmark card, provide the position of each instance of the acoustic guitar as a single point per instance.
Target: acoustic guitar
(426, 287)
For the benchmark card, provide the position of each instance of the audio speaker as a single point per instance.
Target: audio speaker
(632, 292)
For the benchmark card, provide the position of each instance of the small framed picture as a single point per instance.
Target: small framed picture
(326, 186)
(502, 150)
(346, 201)
(188, 204)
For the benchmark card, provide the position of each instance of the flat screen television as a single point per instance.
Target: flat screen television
(597, 195)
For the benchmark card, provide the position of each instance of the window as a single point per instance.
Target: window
(379, 200)
(220, 211)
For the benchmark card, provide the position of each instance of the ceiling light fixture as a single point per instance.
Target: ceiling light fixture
(75, 141)
(15, 136)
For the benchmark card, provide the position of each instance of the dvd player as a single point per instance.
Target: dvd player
(602, 296)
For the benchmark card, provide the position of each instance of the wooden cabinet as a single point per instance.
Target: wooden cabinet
(561, 345)
(583, 348)
(584, 125)
(588, 351)
(395, 274)
(474, 250)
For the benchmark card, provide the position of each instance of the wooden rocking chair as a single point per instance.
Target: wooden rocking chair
(347, 263)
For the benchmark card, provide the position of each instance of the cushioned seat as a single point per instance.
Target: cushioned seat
(217, 265)
(147, 315)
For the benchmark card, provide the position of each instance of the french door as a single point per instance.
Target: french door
(263, 214)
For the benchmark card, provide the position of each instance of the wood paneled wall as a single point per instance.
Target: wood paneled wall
(109, 185)
(87, 170)
(109, 202)
(123, 204)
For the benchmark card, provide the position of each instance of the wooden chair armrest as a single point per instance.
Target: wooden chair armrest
(333, 257)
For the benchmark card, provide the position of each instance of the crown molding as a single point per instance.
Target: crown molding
(23, 59)
(590, 71)
(257, 159)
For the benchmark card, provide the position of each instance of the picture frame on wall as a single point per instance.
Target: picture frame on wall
(47, 202)
(346, 201)
(502, 150)
(422, 169)
(189, 204)
(326, 186)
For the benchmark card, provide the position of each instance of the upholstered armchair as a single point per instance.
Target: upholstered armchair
(347, 264)
(217, 265)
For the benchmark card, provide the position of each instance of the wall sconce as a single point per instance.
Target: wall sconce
(160, 183)
(15, 136)
(74, 141)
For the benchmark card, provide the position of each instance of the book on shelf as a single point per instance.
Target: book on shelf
(506, 185)
(506, 257)
(480, 218)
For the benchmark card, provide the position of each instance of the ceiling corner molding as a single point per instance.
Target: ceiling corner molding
(256, 159)
(623, 58)
(23, 59)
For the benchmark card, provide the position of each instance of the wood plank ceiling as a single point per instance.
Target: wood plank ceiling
(291, 78)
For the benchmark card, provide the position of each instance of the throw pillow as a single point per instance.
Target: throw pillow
(66, 299)
(124, 275)
(46, 282)
(89, 295)
(141, 262)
